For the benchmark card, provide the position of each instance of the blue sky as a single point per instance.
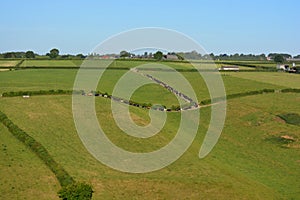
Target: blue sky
(230, 26)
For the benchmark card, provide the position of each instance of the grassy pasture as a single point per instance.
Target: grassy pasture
(276, 78)
(23, 175)
(51, 63)
(8, 63)
(46, 79)
(30, 79)
(242, 165)
(247, 163)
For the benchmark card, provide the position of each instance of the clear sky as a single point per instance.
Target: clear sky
(220, 26)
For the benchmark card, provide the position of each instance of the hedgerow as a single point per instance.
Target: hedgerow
(237, 95)
(70, 188)
(40, 92)
(63, 177)
(293, 90)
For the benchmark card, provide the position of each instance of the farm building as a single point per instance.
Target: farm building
(171, 57)
(282, 67)
(229, 68)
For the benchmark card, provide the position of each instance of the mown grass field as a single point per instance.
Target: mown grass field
(248, 162)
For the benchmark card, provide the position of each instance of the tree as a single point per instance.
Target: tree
(158, 55)
(145, 54)
(124, 54)
(279, 58)
(29, 54)
(298, 56)
(285, 55)
(54, 53)
(80, 56)
(9, 55)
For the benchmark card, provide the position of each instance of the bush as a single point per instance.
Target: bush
(175, 107)
(74, 191)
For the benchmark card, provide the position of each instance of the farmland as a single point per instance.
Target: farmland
(49, 63)
(250, 161)
(8, 63)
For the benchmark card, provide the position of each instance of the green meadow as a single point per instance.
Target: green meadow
(250, 160)
(51, 63)
(8, 63)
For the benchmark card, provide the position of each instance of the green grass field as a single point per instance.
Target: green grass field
(23, 175)
(248, 162)
(8, 63)
(30, 79)
(275, 78)
(244, 160)
(51, 63)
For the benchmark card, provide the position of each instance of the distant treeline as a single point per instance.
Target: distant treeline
(53, 54)
(193, 55)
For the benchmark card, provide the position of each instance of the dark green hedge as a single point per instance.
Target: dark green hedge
(62, 176)
(237, 95)
(292, 90)
(76, 191)
(40, 92)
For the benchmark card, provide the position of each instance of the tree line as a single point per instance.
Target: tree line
(158, 55)
(52, 54)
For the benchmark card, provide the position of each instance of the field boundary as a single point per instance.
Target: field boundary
(147, 105)
(127, 68)
(70, 189)
(61, 174)
(250, 93)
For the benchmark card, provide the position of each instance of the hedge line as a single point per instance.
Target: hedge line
(293, 90)
(40, 92)
(62, 176)
(145, 105)
(250, 65)
(237, 95)
(19, 63)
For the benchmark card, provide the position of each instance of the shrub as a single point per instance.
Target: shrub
(175, 107)
(74, 191)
